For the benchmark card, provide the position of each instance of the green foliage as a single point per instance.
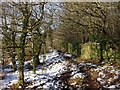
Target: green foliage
(86, 51)
(91, 50)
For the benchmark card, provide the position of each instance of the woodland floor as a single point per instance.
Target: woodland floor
(61, 71)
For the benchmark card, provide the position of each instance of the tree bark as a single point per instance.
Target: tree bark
(22, 51)
(101, 53)
(22, 59)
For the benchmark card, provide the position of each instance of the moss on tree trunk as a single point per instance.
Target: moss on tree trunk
(22, 59)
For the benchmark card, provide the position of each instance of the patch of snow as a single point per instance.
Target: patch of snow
(67, 55)
(118, 72)
(99, 79)
(73, 67)
(57, 68)
(102, 81)
(98, 69)
(28, 62)
(78, 75)
(55, 64)
(10, 78)
(52, 57)
(112, 86)
(101, 73)
(7, 70)
(116, 77)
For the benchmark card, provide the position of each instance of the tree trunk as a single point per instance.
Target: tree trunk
(22, 59)
(101, 53)
(35, 61)
(22, 51)
(38, 53)
(34, 64)
(78, 49)
(36, 48)
(13, 53)
(14, 62)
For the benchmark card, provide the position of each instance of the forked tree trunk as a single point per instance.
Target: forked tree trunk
(22, 52)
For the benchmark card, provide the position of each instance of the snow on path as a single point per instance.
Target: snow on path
(55, 64)
(12, 77)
